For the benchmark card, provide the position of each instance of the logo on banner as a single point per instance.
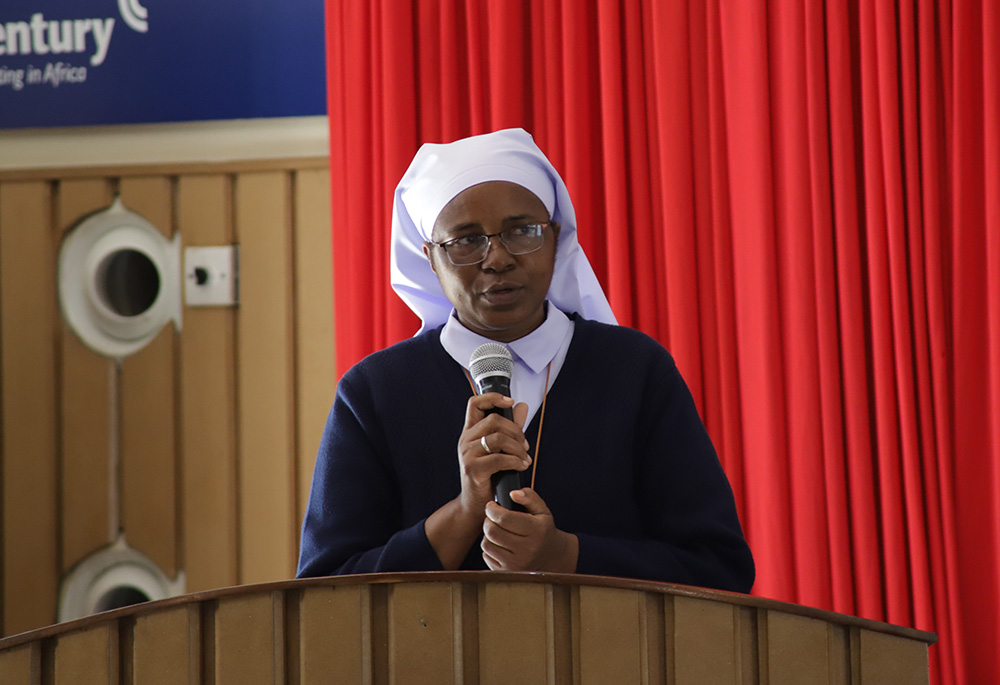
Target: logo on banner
(134, 15)
(39, 36)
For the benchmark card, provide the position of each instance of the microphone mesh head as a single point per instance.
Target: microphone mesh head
(490, 359)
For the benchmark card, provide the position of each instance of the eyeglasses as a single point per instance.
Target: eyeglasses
(472, 249)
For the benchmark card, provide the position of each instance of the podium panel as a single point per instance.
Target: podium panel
(466, 627)
(165, 646)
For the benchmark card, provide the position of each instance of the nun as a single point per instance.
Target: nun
(615, 472)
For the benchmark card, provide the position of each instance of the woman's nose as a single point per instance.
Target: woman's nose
(498, 257)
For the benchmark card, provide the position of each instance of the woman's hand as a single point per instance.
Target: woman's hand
(527, 541)
(508, 449)
(453, 529)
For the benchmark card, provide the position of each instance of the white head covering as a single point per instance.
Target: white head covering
(438, 173)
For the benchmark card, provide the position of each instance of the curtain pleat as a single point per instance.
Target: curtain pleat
(768, 513)
(884, 223)
(968, 301)
(728, 433)
(797, 302)
(974, 308)
(800, 200)
(614, 147)
(707, 375)
(991, 155)
(848, 346)
(676, 193)
(832, 470)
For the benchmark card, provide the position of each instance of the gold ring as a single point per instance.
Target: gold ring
(486, 448)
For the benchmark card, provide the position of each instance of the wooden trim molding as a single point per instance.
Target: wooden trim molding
(556, 579)
(193, 168)
(167, 143)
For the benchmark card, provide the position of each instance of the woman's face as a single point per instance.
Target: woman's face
(503, 296)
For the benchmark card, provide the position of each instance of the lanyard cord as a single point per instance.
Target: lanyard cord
(541, 419)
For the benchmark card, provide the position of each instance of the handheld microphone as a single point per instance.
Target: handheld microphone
(491, 366)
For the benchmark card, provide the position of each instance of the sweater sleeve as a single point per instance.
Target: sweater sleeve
(690, 531)
(353, 522)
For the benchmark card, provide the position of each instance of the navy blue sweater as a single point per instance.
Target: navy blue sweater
(625, 464)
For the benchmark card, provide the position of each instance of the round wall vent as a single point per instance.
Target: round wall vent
(119, 281)
(113, 577)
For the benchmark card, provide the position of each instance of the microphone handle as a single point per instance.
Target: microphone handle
(505, 481)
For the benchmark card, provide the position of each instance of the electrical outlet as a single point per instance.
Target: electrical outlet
(211, 276)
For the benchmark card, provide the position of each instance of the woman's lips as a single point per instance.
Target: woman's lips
(502, 294)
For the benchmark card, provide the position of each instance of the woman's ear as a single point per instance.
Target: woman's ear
(427, 253)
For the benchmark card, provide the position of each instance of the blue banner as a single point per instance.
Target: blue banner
(88, 62)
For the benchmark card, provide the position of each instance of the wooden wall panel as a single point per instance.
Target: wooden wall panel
(169, 414)
(85, 439)
(87, 426)
(266, 395)
(315, 372)
(148, 425)
(208, 401)
(29, 526)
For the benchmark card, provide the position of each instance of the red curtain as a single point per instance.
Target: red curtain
(801, 200)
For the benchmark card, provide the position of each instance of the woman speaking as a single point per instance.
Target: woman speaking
(615, 473)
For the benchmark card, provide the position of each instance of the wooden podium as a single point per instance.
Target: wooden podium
(466, 627)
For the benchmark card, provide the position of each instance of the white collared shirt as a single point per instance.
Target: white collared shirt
(532, 354)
